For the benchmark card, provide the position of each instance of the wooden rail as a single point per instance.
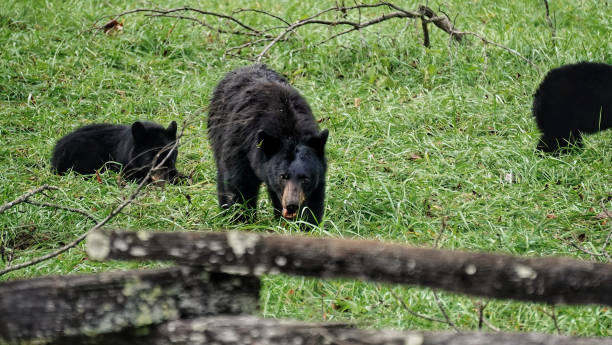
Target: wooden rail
(549, 279)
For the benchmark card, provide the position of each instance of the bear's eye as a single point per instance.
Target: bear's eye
(284, 177)
(305, 180)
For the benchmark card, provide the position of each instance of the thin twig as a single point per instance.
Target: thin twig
(510, 50)
(250, 31)
(26, 196)
(480, 307)
(553, 315)
(550, 23)
(57, 206)
(426, 42)
(408, 309)
(240, 10)
(154, 166)
(442, 230)
(247, 44)
(444, 313)
(490, 325)
(584, 250)
(438, 301)
(604, 247)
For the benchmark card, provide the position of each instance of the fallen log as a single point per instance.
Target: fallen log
(238, 330)
(48, 307)
(550, 279)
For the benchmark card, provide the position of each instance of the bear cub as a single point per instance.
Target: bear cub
(572, 100)
(130, 149)
(262, 130)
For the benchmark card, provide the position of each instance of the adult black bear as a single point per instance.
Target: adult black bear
(262, 130)
(573, 100)
(134, 147)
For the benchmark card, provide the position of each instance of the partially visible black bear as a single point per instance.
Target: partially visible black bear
(262, 130)
(572, 100)
(130, 149)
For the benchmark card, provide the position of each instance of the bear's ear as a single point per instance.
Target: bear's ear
(171, 130)
(318, 141)
(139, 132)
(267, 143)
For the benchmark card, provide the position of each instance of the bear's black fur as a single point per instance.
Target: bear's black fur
(572, 100)
(262, 130)
(134, 147)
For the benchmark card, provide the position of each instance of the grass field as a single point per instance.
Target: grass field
(444, 131)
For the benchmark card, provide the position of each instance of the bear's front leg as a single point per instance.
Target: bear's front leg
(239, 187)
(314, 207)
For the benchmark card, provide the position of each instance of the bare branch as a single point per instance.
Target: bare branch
(486, 41)
(241, 10)
(480, 307)
(426, 14)
(435, 293)
(426, 42)
(250, 31)
(26, 196)
(604, 247)
(57, 206)
(550, 23)
(408, 309)
(444, 313)
(552, 314)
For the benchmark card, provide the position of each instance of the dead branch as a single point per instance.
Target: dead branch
(553, 315)
(354, 25)
(154, 167)
(250, 31)
(435, 293)
(26, 196)
(426, 42)
(442, 22)
(549, 280)
(550, 23)
(65, 208)
(486, 41)
(408, 309)
(259, 36)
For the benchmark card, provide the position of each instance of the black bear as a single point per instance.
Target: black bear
(262, 130)
(570, 101)
(131, 148)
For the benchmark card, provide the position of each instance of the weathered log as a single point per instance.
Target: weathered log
(48, 307)
(551, 280)
(238, 330)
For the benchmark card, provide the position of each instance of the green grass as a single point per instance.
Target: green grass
(466, 116)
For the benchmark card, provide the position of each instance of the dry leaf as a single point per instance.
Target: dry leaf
(98, 178)
(415, 156)
(357, 102)
(551, 216)
(112, 26)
